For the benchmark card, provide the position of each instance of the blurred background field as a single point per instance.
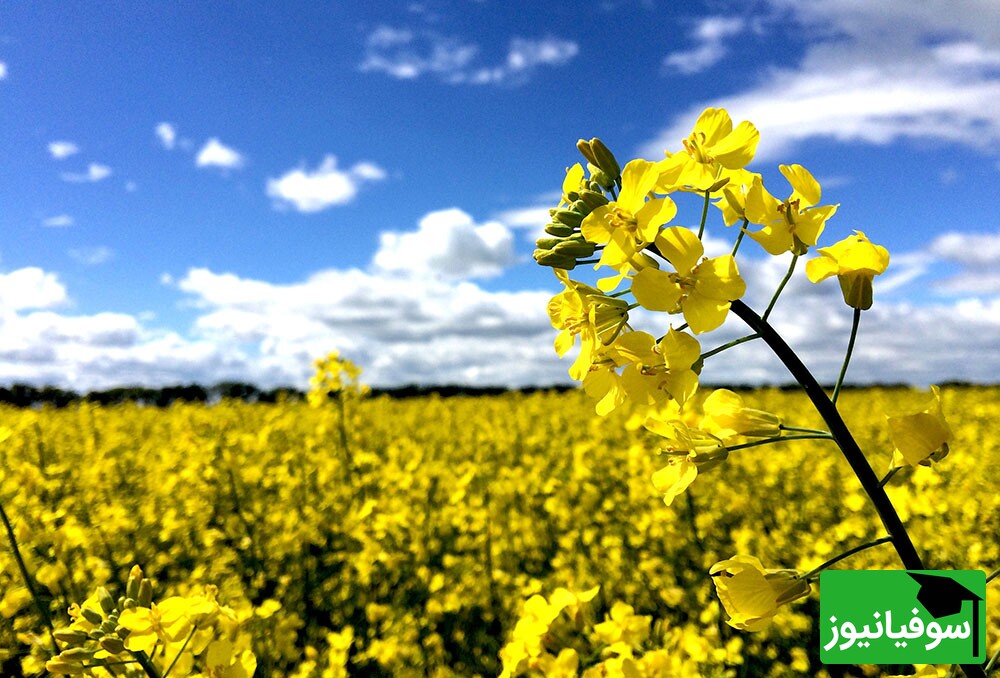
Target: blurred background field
(405, 537)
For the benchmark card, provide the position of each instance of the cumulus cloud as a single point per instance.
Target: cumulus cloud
(326, 186)
(710, 34)
(59, 221)
(63, 149)
(406, 55)
(447, 243)
(167, 134)
(95, 172)
(215, 154)
(3, 70)
(978, 257)
(879, 72)
(30, 287)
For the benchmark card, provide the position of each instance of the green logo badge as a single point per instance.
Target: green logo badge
(901, 617)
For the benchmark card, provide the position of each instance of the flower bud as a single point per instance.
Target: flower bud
(559, 230)
(70, 636)
(547, 243)
(603, 180)
(145, 593)
(112, 644)
(605, 158)
(586, 151)
(105, 599)
(555, 259)
(75, 654)
(134, 579)
(91, 615)
(575, 249)
(58, 666)
(593, 199)
(568, 217)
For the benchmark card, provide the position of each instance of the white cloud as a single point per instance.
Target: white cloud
(59, 221)
(29, 287)
(879, 72)
(449, 244)
(3, 70)
(91, 256)
(710, 34)
(215, 154)
(167, 134)
(407, 55)
(95, 172)
(63, 149)
(326, 186)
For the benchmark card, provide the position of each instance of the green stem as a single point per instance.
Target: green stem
(992, 575)
(781, 286)
(180, 651)
(704, 215)
(146, 664)
(798, 429)
(847, 356)
(838, 429)
(855, 457)
(992, 662)
(739, 238)
(888, 476)
(734, 342)
(42, 610)
(778, 439)
(846, 554)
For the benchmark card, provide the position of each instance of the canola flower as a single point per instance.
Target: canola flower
(706, 291)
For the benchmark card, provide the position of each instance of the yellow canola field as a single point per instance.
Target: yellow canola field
(414, 549)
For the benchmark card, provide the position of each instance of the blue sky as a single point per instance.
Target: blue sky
(200, 193)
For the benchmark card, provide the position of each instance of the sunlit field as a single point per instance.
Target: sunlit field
(406, 537)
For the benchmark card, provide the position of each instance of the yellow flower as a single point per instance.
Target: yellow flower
(751, 594)
(631, 222)
(855, 261)
(920, 438)
(726, 417)
(582, 311)
(702, 290)
(711, 153)
(792, 225)
(623, 625)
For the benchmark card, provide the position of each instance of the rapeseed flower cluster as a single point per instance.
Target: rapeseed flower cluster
(626, 218)
(420, 557)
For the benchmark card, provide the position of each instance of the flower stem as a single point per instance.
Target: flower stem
(838, 429)
(42, 609)
(180, 651)
(888, 476)
(739, 238)
(781, 287)
(846, 554)
(780, 439)
(855, 457)
(992, 575)
(992, 662)
(704, 215)
(798, 429)
(143, 660)
(847, 356)
(734, 342)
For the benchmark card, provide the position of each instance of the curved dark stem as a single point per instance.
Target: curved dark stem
(842, 435)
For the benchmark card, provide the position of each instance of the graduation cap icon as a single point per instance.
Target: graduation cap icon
(942, 596)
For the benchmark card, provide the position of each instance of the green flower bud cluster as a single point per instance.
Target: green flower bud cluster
(567, 245)
(98, 629)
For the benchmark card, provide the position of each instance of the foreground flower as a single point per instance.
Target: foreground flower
(701, 289)
(792, 225)
(711, 152)
(585, 312)
(920, 438)
(855, 261)
(752, 594)
(628, 224)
